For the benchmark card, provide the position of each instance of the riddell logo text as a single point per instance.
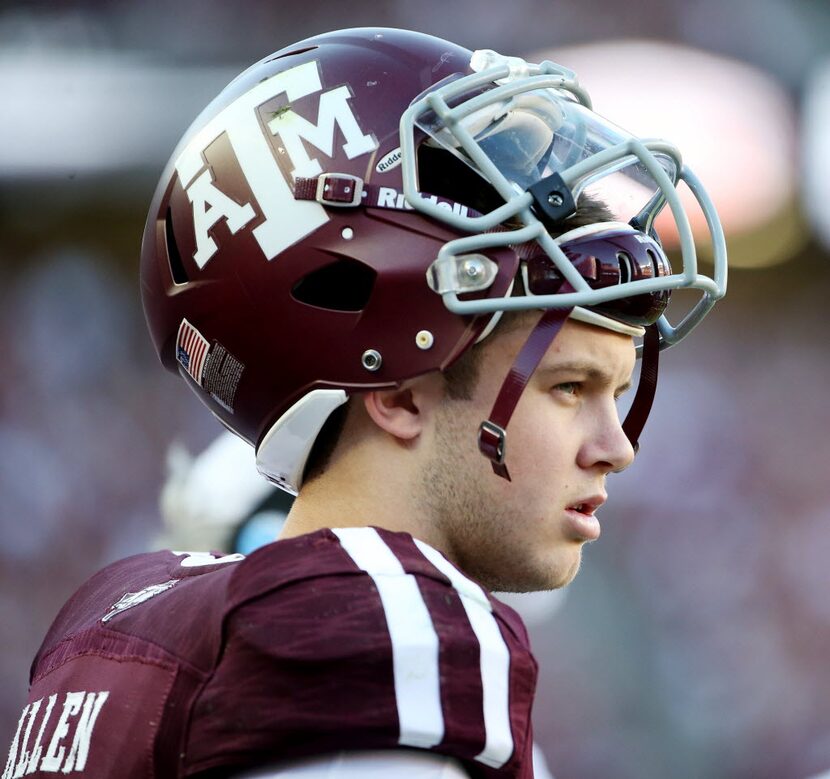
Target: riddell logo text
(61, 726)
(285, 220)
(388, 197)
(390, 161)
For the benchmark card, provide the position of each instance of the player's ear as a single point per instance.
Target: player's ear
(405, 411)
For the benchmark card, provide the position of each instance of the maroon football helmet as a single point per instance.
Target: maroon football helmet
(357, 209)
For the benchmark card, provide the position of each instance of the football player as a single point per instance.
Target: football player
(216, 500)
(415, 279)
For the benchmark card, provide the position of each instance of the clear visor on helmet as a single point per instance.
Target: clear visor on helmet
(525, 142)
(534, 134)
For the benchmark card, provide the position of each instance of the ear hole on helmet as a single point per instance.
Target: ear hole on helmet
(177, 270)
(344, 285)
(443, 174)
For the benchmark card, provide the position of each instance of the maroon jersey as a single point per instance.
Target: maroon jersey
(174, 664)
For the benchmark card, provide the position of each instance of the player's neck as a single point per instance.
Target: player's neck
(346, 496)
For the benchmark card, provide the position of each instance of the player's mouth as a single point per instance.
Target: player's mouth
(581, 520)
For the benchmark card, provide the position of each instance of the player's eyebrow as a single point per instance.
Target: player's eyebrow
(587, 369)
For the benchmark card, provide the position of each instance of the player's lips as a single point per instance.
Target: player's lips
(581, 521)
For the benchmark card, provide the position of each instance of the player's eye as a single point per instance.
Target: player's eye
(567, 387)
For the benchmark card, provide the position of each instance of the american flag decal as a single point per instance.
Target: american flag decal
(191, 350)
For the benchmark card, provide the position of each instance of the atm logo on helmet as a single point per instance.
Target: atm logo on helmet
(286, 220)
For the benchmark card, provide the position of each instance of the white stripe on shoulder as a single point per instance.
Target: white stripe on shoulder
(413, 636)
(495, 660)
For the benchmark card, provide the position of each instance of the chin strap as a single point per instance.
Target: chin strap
(492, 434)
(637, 415)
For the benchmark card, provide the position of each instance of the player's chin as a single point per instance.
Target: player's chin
(565, 568)
(550, 574)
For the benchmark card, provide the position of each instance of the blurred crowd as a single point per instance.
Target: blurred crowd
(694, 641)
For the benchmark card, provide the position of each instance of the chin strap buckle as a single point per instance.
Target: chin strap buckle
(340, 190)
(492, 440)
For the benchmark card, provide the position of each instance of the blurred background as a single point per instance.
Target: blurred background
(695, 642)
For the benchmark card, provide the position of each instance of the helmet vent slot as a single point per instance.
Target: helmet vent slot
(655, 263)
(624, 258)
(344, 285)
(292, 53)
(173, 257)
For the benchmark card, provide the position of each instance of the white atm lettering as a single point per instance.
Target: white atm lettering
(79, 709)
(286, 220)
(209, 206)
(334, 109)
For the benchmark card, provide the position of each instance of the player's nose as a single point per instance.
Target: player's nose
(607, 446)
